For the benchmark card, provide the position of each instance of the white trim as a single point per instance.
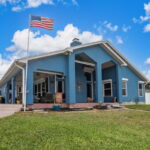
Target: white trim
(55, 84)
(44, 55)
(141, 82)
(107, 81)
(39, 81)
(107, 46)
(131, 66)
(84, 63)
(126, 87)
(49, 72)
(23, 86)
(125, 79)
(121, 61)
(88, 69)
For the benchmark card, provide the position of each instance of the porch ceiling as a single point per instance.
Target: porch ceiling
(107, 65)
(83, 57)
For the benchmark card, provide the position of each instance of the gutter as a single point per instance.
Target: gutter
(23, 85)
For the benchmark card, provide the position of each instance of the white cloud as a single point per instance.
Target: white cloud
(147, 74)
(37, 3)
(126, 28)
(47, 43)
(147, 28)
(147, 61)
(43, 43)
(4, 65)
(5, 62)
(18, 5)
(75, 2)
(110, 26)
(135, 20)
(17, 8)
(145, 18)
(119, 40)
(3, 1)
(147, 8)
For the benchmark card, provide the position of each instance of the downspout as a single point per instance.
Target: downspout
(23, 85)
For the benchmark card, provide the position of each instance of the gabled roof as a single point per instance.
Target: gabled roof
(105, 44)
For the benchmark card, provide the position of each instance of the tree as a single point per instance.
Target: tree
(147, 86)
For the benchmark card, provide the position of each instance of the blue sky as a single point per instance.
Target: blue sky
(125, 23)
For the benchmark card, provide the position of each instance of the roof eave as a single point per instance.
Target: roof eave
(142, 76)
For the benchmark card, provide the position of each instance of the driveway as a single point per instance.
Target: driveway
(9, 109)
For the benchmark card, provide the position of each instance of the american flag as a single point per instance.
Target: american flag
(42, 22)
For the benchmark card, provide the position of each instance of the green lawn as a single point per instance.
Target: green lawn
(104, 130)
(140, 107)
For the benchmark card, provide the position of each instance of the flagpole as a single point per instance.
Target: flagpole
(27, 54)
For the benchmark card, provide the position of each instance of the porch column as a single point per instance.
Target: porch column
(119, 83)
(29, 87)
(71, 79)
(99, 83)
(6, 93)
(13, 90)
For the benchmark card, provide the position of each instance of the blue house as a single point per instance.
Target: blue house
(78, 76)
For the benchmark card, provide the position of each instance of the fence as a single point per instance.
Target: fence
(147, 98)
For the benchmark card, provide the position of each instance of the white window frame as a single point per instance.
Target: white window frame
(126, 86)
(107, 81)
(40, 81)
(141, 82)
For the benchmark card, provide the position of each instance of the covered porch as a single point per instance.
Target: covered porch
(89, 76)
(49, 87)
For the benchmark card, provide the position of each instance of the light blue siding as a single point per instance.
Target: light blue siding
(55, 63)
(110, 73)
(80, 79)
(73, 73)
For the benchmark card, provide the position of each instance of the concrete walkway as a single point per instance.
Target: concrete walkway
(9, 109)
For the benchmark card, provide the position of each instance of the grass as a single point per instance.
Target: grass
(105, 130)
(139, 107)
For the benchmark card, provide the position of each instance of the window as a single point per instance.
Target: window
(107, 85)
(141, 88)
(124, 87)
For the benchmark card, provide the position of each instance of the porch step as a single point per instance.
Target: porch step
(9, 109)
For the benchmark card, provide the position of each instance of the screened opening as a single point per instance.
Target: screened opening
(47, 86)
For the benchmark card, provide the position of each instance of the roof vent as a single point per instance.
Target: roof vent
(75, 42)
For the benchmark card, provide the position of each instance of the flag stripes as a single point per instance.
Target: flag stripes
(42, 22)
